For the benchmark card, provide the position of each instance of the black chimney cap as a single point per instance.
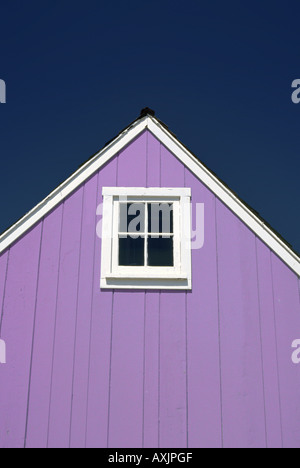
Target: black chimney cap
(147, 111)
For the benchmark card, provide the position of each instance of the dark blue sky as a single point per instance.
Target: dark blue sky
(217, 73)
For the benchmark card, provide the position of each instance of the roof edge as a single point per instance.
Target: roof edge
(163, 134)
(65, 189)
(227, 196)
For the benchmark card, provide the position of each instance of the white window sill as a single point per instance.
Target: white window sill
(171, 276)
(176, 277)
(146, 283)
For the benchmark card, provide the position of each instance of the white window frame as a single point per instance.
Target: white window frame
(114, 276)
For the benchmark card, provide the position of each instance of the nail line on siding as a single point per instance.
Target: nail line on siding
(186, 370)
(219, 325)
(276, 341)
(299, 288)
(117, 168)
(147, 159)
(91, 316)
(261, 342)
(4, 291)
(110, 368)
(144, 374)
(76, 315)
(159, 319)
(160, 164)
(186, 344)
(111, 338)
(144, 357)
(55, 319)
(33, 331)
(159, 350)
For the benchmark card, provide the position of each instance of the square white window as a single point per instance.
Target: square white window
(146, 238)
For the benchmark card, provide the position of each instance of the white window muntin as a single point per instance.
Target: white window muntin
(177, 277)
(146, 270)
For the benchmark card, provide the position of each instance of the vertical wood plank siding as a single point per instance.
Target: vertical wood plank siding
(36, 435)
(18, 317)
(287, 323)
(240, 346)
(151, 384)
(203, 347)
(98, 384)
(173, 388)
(209, 367)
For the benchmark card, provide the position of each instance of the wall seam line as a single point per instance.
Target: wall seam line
(33, 331)
(261, 341)
(117, 168)
(76, 315)
(159, 319)
(4, 291)
(219, 326)
(160, 164)
(145, 308)
(186, 369)
(147, 159)
(276, 340)
(110, 368)
(91, 314)
(55, 320)
(186, 349)
(159, 351)
(144, 373)
(111, 337)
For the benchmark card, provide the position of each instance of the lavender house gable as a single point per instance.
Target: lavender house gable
(163, 357)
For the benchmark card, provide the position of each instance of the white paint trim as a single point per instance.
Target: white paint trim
(148, 276)
(186, 236)
(146, 192)
(149, 283)
(278, 246)
(114, 276)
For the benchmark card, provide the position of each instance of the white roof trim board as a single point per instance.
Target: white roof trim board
(256, 224)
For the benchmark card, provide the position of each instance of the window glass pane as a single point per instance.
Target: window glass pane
(160, 217)
(131, 251)
(132, 217)
(160, 251)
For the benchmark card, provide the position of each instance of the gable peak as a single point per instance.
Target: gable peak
(147, 111)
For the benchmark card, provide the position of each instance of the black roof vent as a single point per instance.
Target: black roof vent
(147, 111)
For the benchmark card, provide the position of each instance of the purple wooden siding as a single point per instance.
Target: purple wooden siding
(269, 347)
(125, 420)
(287, 324)
(3, 273)
(240, 344)
(173, 362)
(17, 328)
(209, 367)
(204, 392)
(96, 430)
